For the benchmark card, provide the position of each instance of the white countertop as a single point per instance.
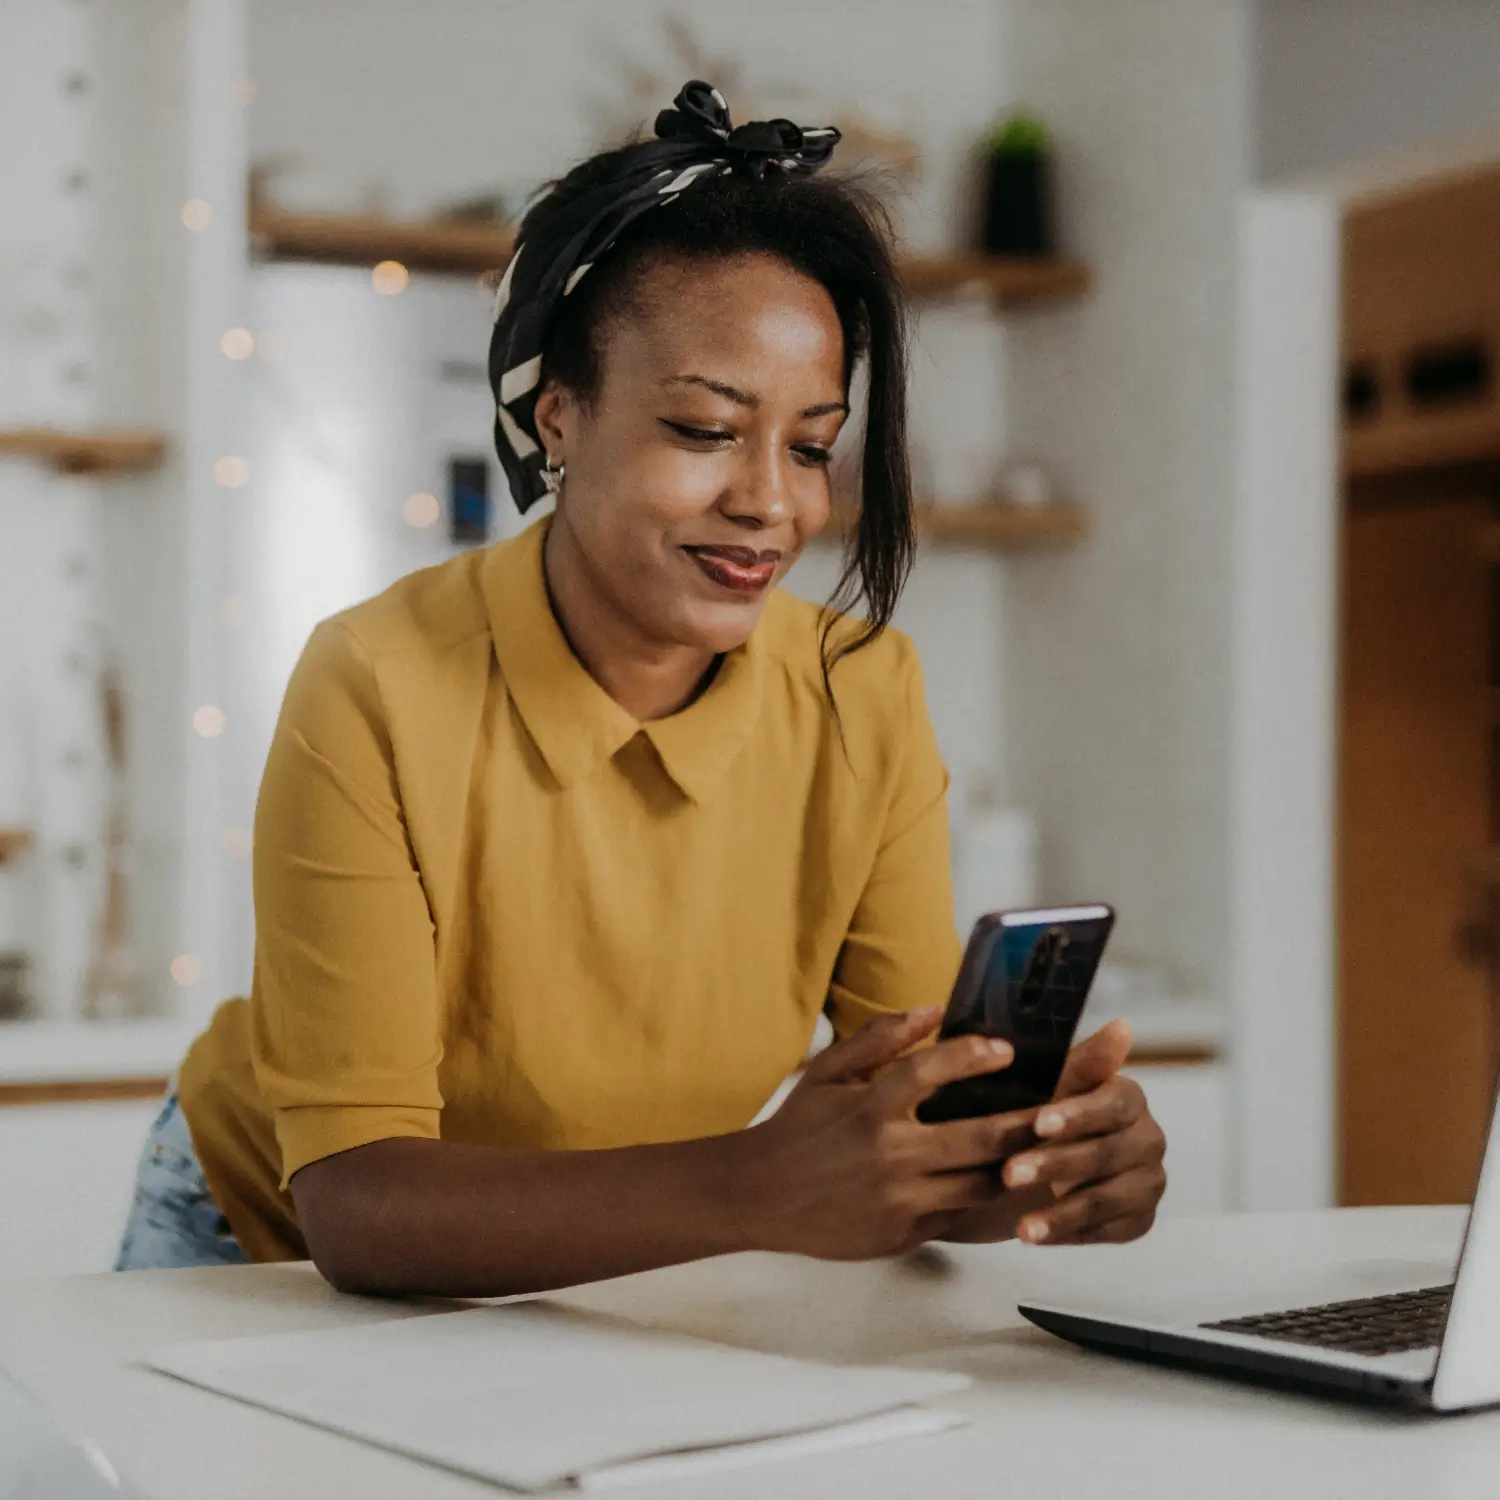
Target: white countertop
(1167, 1023)
(92, 1051)
(1045, 1418)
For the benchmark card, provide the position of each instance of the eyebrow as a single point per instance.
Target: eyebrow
(749, 398)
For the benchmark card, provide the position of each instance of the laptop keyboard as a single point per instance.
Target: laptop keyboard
(1394, 1324)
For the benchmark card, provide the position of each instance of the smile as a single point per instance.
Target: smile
(742, 570)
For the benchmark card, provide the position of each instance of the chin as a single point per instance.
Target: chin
(719, 628)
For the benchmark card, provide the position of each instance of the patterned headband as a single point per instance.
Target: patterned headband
(694, 141)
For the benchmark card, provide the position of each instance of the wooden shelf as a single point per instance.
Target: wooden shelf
(993, 526)
(1408, 444)
(1005, 528)
(454, 246)
(81, 1091)
(13, 842)
(364, 240)
(1173, 1055)
(86, 452)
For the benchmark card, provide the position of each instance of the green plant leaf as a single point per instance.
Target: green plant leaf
(1022, 134)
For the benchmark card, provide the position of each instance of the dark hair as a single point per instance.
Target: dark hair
(831, 230)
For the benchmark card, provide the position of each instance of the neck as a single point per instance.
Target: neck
(648, 678)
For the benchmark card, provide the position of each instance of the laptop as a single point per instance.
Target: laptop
(39, 1461)
(1386, 1329)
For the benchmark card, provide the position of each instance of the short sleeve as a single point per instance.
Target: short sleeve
(902, 950)
(346, 1041)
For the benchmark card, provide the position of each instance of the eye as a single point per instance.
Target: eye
(697, 434)
(812, 455)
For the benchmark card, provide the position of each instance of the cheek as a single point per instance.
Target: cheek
(637, 478)
(676, 485)
(814, 505)
(628, 512)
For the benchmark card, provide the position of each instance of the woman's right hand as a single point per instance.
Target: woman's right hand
(845, 1171)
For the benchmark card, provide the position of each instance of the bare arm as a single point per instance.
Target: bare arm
(843, 1171)
(460, 1220)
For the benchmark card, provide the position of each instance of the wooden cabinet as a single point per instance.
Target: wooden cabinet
(1414, 788)
(1422, 327)
(1419, 657)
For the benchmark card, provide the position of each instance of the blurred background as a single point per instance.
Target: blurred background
(1207, 436)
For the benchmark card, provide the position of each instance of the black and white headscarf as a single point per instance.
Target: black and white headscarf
(695, 141)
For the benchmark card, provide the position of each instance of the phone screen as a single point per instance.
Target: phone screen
(1026, 977)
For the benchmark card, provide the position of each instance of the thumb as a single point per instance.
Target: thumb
(880, 1041)
(1095, 1060)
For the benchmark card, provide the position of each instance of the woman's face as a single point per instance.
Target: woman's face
(699, 470)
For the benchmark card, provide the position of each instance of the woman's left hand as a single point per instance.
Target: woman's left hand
(1095, 1174)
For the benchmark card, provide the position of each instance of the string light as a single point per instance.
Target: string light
(236, 843)
(187, 970)
(210, 721)
(421, 510)
(196, 215)
(231, 471)
(237, 343)
(389, 278)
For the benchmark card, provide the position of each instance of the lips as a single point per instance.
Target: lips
(742, 570)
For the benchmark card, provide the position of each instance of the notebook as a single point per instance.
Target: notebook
(535, 1396)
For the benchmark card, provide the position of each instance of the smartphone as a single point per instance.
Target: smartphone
(1025, 977)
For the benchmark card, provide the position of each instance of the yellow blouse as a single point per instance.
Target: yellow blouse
(491, 906)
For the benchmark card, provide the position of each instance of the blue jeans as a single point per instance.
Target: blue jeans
(174, 1221)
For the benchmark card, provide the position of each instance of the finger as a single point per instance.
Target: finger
(1112, 1232)
(1081, 1212)
(954, 1192)
(1109, 1107)
(914, 1078)
(984, 1142)
(1095, 1060)
(1066, 1166)
(1085, 1161)
(880, 1041)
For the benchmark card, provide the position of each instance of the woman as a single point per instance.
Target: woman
(562, 847)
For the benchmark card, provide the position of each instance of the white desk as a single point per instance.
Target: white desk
(1048, 1420)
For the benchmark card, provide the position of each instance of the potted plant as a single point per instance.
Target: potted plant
(1018, 190)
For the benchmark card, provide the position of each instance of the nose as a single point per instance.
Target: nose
(763, 497)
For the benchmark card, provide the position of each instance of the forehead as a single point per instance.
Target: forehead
(751, 316)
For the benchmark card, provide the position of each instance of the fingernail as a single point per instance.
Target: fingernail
(1022, 1172)
(926, 1013)
(1049, 1123)
(1036, 1230)
(1001, 1049)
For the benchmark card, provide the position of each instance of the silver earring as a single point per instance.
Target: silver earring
(552, 476)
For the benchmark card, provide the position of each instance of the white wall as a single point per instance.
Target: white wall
(1284, 668)
(50, 559)
(136, 274)
(412, 102)
(1117, 701)
(110, 315)
(1342, 80)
